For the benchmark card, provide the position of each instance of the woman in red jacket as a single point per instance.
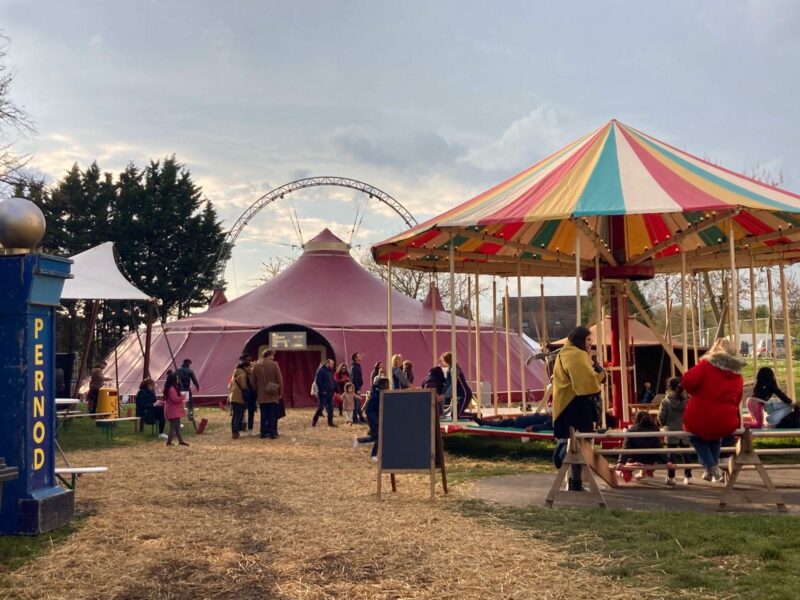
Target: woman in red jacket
(715, 388)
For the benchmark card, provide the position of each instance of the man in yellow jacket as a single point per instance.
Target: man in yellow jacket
(576, 384)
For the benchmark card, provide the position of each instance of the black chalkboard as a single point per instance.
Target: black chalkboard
(407, 427)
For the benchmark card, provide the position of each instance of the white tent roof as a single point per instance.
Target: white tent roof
(97, 277)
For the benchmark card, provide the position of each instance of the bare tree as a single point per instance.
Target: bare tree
(14, 121)
(273, 266)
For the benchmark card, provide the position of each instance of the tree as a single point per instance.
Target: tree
(14, 120)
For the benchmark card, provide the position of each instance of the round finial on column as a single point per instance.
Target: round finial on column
(21, 225)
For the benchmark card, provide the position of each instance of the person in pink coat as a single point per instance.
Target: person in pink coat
(173, 408)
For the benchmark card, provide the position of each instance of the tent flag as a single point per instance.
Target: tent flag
(97, 277)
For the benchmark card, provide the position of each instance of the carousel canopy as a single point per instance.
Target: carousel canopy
(619, 193)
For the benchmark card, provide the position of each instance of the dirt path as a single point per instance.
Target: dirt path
(292, 518)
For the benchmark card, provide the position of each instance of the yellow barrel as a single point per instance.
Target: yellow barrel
(108, 402)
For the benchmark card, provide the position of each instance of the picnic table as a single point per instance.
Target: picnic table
(110, 424)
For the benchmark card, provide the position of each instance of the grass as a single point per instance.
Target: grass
(474, 457)
(15, 551)
(745, 556)
(84, 433)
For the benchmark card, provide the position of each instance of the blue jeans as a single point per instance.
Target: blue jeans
(707, 451)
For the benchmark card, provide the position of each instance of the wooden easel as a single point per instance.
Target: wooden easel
(746, 455)
(575, 456)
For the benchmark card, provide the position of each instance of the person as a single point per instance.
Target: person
(647, 395)
(239, 384)
(399, 379)
(435, 379)
(576, 383)
(463, 393)
(408, 370)
(377, 371)
(670, 415)
(158, 411)
(357, 376)
(533, 423)
(267, 381)
(715, 387)
(96, 380)
(145, 400)
(643, 422)
(341, 378)
(250, 397)
(325, 388)
(173, 408)
(765, 387)
(373, 410)
(349, 401)
(186, 377)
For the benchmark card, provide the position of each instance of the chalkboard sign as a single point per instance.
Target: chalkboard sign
(409, 440)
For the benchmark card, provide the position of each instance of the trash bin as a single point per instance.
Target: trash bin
(108, 402)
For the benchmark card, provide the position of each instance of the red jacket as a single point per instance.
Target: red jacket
(715, 389)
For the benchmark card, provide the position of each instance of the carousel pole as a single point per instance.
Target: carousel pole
(544, 319)
(623, 350)
(521, 340)
(577, 278)
(773, 338)
(787, 336)
(700, 312)
(684, 330)
(478, 341)
(668, 321)
(469, 328)
(388, 363)
(600, 328)
(434, 316)
(495, 394)
(734, 289)
(508, 347)
(754, 338)
(453, 339)
(693, 315)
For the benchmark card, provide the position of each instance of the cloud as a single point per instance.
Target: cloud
(524, 141)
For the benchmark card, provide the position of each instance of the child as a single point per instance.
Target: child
(765, 387)
(670, 415)
(647, 393)
(373, 413)
(173, 409)
(350, 403)
(408, 369)
(644, 422)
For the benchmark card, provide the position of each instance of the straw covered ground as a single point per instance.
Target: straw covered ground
(292, 518)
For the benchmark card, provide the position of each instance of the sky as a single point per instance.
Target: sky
(430, 102)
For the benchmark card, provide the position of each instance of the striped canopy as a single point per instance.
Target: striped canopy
(616, 192)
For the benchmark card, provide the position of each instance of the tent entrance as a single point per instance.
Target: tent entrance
(298, 367)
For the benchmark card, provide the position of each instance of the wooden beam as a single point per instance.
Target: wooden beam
(787, 336)
(596, 241)
(654, 329)
(453, 339)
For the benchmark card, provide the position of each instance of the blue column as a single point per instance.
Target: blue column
(32, 285)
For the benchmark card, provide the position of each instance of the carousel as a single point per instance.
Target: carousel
(613, 207)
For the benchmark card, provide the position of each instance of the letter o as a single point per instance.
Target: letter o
(38, 432)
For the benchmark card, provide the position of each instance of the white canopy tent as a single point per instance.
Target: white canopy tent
(97, 277)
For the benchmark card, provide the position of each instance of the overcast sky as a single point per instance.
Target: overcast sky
(431, 102)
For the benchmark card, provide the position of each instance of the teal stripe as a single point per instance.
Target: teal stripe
(723, 183)
(546, 232)
(713, 236)
(603, 192)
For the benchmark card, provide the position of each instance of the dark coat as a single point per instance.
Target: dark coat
(356, 375)
(144, 399)
(715, 391)
(435, 380)
(266, 371)
(765, 391)
(638, 443)
(325, 383)
(186, 377)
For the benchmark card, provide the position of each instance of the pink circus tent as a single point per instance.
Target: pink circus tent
(339, 306)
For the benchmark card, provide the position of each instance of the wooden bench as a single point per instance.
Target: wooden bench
(110, 424)
(7, 473)
(75, 472)
(581, 450)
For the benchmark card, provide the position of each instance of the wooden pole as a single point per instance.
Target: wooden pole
(577, 278)
(495, 394)
(754, 337)
(434, 317)
(787, 336)
(773, 338)
(453, 338)
(693, 314)
(600, 339)
(623, 342)
(478, 342)
(522, 351)
(684, 335)
(508, 348)
(147, 340)
(388, 363)
(544, 318)
(87, 342)
(701, 312)
(669, 325)
(734, 288)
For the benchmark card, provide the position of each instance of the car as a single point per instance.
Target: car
(765, 348)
